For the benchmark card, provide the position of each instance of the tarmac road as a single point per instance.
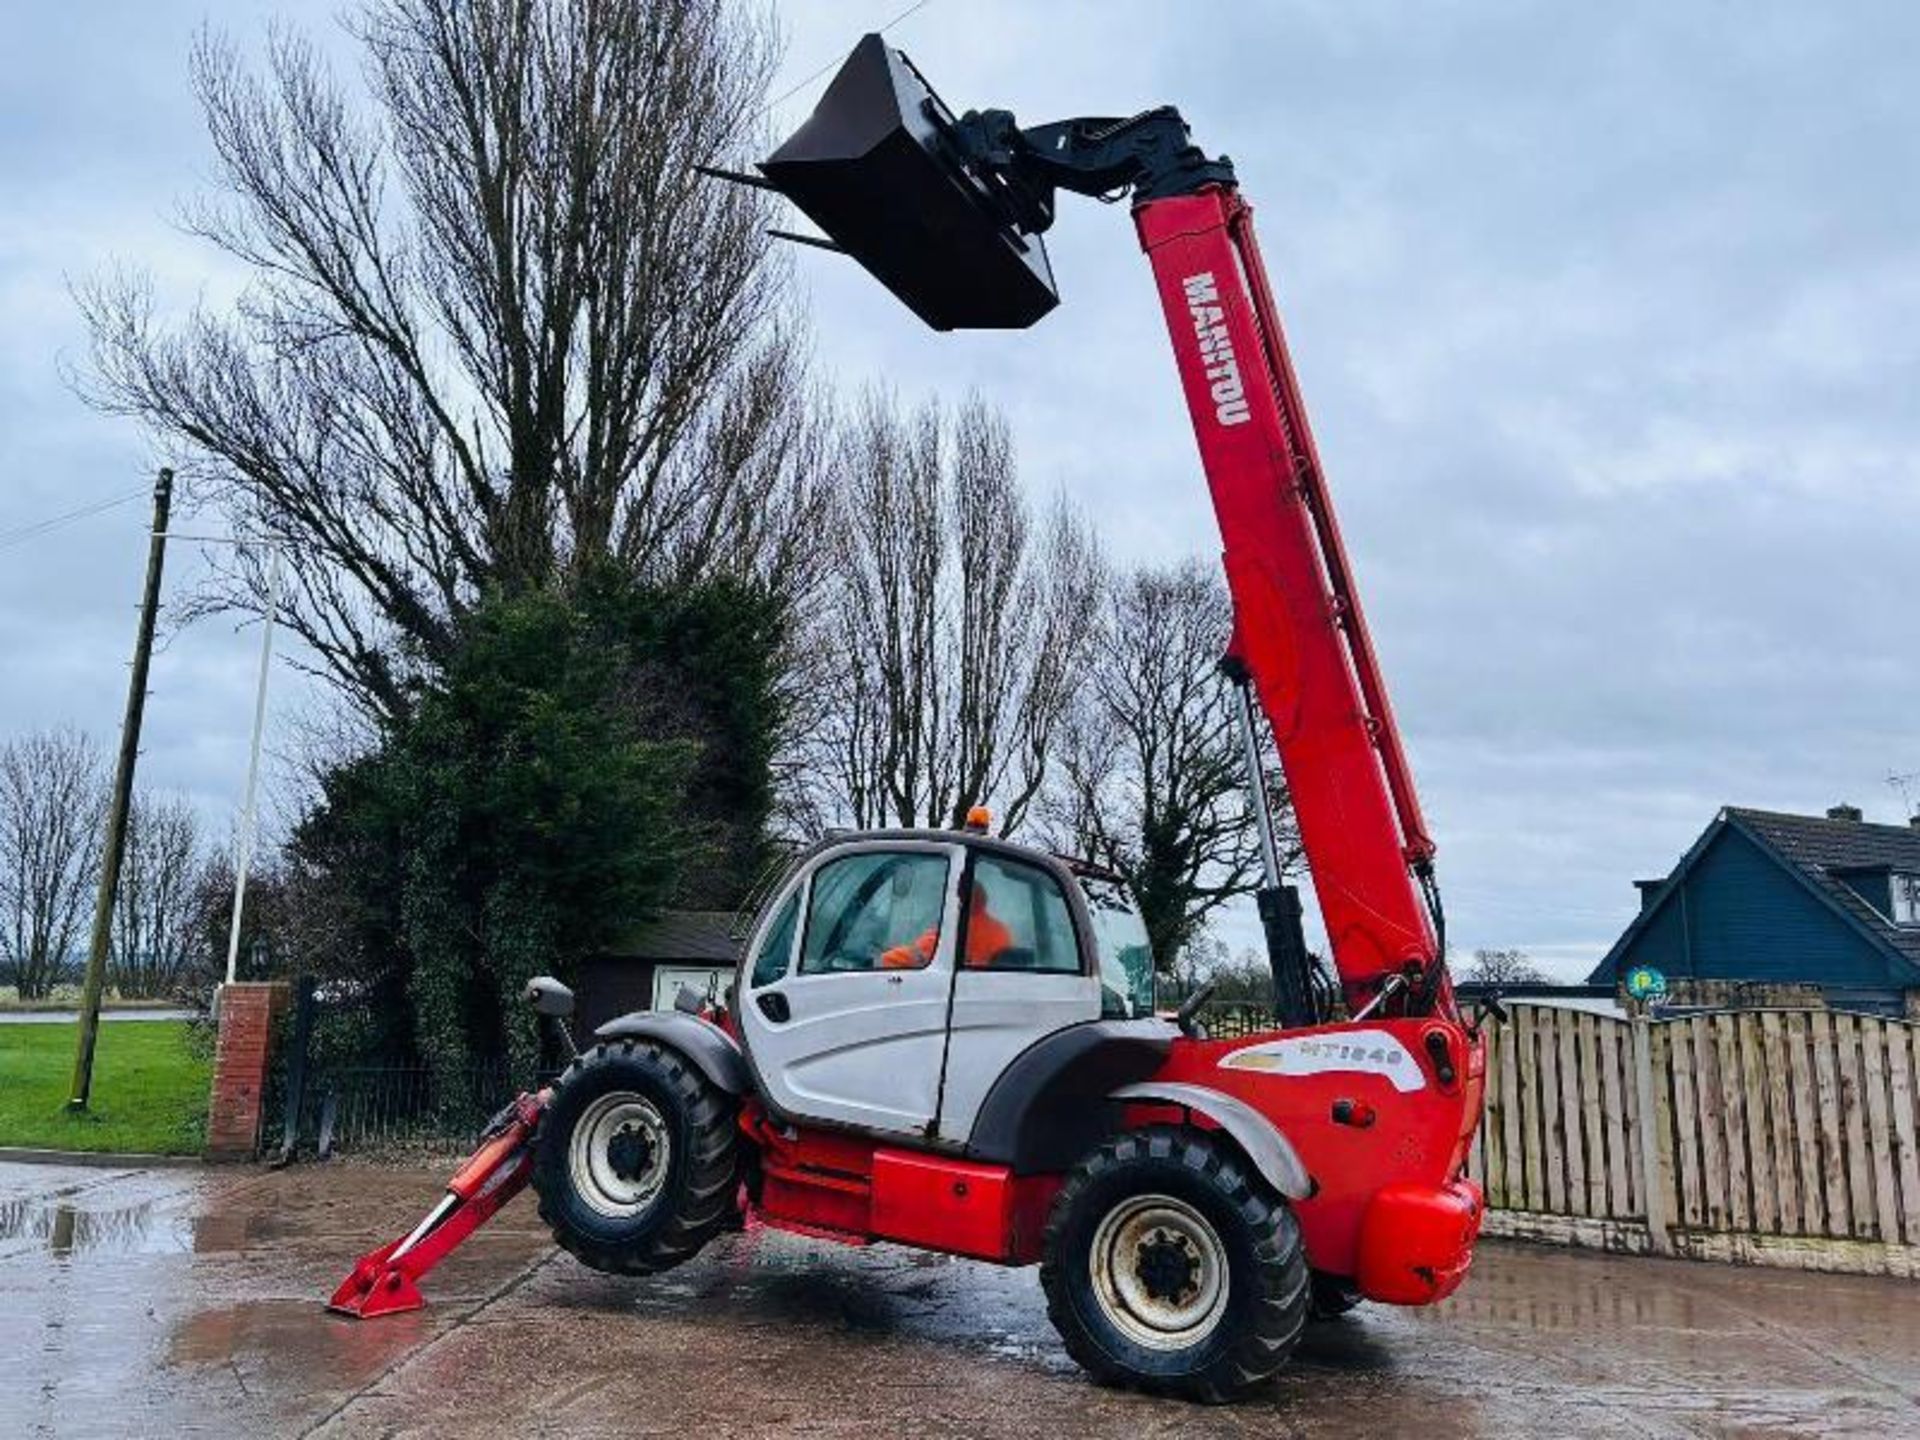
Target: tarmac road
(188, 1302)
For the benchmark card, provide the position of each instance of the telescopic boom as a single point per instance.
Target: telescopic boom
(948, 212)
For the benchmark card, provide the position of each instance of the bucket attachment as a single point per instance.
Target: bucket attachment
(385, 1281)
(876, 168)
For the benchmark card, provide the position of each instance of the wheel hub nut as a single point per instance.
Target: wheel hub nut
(629, 1152)
(1167, 1266)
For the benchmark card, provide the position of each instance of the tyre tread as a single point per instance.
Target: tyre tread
(1262, 1347)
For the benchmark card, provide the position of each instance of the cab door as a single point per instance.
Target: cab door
(846, 991)
(1033, 979)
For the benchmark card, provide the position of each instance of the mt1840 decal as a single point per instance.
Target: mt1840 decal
(1364, 1052)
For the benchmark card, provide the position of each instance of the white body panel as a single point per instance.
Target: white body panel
(910, 1051)
(996, 1015)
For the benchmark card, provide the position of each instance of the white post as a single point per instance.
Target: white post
(243, 857)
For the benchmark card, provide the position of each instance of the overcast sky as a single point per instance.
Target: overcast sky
(1608, 317)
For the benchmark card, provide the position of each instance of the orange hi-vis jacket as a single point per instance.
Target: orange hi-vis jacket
(987, 937)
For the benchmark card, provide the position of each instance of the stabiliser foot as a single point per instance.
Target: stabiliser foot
(386, 1281)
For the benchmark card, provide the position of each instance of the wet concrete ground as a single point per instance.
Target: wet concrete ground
(176, 1303)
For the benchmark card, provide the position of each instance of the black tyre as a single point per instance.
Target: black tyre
(1171, 1267)
(1332, 1296)
(635, 1165)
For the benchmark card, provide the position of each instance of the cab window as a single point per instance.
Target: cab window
(1017, 919)
(1126, 956)
(776, 948)
(875, 910)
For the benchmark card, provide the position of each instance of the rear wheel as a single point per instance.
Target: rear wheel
(1168, 1266)
(636, 1160)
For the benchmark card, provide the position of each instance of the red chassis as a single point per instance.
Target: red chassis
(1388, 1206)
(1384, 1147)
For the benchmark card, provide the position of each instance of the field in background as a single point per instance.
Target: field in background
(149, 1089)
(67, 998)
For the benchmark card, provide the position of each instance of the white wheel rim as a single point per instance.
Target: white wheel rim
(1159, 1272)
(619, 1154)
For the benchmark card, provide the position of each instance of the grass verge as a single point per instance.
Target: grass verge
(149, 1089)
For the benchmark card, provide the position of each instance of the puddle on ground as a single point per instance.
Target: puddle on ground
(298, 1332)
(68, 1230)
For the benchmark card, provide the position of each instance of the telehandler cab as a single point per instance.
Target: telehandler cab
(941, 1039)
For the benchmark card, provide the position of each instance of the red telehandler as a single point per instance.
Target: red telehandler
(941, 1039)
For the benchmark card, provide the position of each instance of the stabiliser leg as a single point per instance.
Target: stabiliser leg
(386, 1281)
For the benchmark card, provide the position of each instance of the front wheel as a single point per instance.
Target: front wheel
(1168, 1266)
(635, 1162)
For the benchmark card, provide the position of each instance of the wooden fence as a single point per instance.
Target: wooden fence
(1770, 1137)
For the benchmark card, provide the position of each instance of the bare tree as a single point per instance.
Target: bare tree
(954, 636)
(158, 941)
(1151, 780)
(498, 330)
(1503, 967)
(52, 807)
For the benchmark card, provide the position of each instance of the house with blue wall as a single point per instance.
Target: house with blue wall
(1765, 900)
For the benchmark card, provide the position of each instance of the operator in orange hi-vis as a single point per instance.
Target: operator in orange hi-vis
(987, 938)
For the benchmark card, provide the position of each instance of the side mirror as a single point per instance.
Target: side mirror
(1187, 1017)
(549, 997)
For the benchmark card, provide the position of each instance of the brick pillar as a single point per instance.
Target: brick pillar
(240, 1063)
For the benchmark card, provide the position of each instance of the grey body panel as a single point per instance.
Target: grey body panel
(709, 1047)
(1276, 1160)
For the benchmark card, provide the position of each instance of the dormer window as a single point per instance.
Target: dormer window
(1906, 898)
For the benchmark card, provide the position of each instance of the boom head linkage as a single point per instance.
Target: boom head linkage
(948, 212)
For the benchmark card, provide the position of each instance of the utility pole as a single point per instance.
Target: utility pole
(122, 796)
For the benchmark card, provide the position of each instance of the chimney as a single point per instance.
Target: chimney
(1914, 820)
(1650, 889)
(1844, 812)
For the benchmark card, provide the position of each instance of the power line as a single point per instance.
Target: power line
(21, 534)
(786, 95)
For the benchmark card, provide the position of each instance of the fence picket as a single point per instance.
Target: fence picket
(1487, 1140)
(1532, 1115)
(1512, 1144)
(1733, 1117)
(1567, 1035)
(1774, 1077)
(1853, 1113)
(1806, 1125)
(1833, 1128)
(1553, 1150)
(1873, 1082)
(1615, 1108)
(1592, 1127)
(1906, 1162)
(1684, 1124)
(1653, 1108)
(1713, 1135)
(1759, 1125)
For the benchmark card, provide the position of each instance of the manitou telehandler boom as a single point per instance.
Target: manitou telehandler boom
(941, 1039)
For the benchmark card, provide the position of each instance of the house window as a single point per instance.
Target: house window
(1906, 899)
